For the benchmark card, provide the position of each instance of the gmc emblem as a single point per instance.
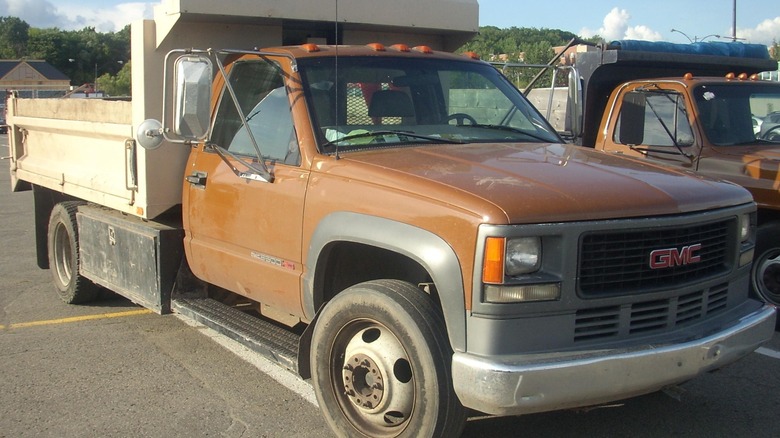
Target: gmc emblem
(671, 257)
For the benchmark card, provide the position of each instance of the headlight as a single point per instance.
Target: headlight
(744, 227)
(515, 257)
(523, 255)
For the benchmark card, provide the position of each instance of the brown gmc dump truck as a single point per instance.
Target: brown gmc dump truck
(698, 107)
(429, 241)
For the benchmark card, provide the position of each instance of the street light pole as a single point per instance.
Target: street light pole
(695, 38)
(683, 34)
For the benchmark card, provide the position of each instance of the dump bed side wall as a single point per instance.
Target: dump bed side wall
(74, 146)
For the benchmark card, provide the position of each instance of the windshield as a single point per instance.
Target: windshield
(366, 102)
(740, 113)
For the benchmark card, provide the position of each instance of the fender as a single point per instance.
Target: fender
(429, 250)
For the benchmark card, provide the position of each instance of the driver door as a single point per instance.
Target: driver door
(244, 234)
(653, 123)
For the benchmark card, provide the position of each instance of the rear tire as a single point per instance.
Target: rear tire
(381, 364)
(64, 257)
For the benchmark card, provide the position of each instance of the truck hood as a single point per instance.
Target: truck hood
(532, 183)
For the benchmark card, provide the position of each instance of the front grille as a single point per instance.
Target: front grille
(614, 263)
(648, 316)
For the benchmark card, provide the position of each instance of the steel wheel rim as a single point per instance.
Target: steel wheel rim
(372, 379)
(63, 256)
(767, 277)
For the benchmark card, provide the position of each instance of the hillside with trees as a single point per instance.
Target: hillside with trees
(519, 45)
(530, 45)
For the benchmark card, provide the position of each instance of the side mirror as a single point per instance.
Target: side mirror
(150, 134)
(192, 96)
(632, 119)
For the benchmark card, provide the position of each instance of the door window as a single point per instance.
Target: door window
(657, 119)
(262, 97)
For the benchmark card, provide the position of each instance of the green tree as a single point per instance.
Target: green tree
(13, 37)
(53, 46)
(512, 43)
(82, 55)
(116, 85)
(539, 53)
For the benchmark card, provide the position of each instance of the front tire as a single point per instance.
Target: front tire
(381, 364)
(64, 258)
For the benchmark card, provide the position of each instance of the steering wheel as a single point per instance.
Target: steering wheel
(459, 118)
(772, 134)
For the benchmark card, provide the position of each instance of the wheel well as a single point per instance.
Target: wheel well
(344, 264)
(44, 200)
(766, 216)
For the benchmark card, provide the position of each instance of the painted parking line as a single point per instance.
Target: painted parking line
(768, 352)
(76, 319)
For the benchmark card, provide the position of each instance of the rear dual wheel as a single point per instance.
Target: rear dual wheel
(64, 258)
(381, 364)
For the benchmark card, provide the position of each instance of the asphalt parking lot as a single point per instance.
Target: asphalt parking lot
(112, 369)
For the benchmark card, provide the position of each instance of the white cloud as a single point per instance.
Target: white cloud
(616, 27)
(73, 16)
(767, 32)
(642, 33)
(109, 19)
(37, 13)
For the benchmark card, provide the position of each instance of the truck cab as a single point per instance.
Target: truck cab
(709, 126)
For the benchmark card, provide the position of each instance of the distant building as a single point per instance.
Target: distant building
(32, 78)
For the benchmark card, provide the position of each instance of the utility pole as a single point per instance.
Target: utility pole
(734, 22)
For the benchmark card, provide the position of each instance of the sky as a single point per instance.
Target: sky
(758, 21)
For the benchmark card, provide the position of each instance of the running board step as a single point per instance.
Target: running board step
(271, 341)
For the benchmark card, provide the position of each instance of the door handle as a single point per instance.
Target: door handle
(197, 179)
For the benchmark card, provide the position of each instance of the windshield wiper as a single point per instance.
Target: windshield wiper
(382, 133)
(510, 129)
(647, 150)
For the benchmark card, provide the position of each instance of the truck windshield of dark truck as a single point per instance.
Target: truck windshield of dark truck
(740, 113)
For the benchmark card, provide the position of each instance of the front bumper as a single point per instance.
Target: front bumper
(536, 383)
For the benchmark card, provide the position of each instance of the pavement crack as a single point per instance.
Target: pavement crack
(238, 428)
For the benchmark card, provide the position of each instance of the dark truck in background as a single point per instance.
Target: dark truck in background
(699, 107)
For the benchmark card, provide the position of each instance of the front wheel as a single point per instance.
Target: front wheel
(765, 278)
(381, 364)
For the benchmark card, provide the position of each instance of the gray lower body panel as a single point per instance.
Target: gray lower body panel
(544, 382)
